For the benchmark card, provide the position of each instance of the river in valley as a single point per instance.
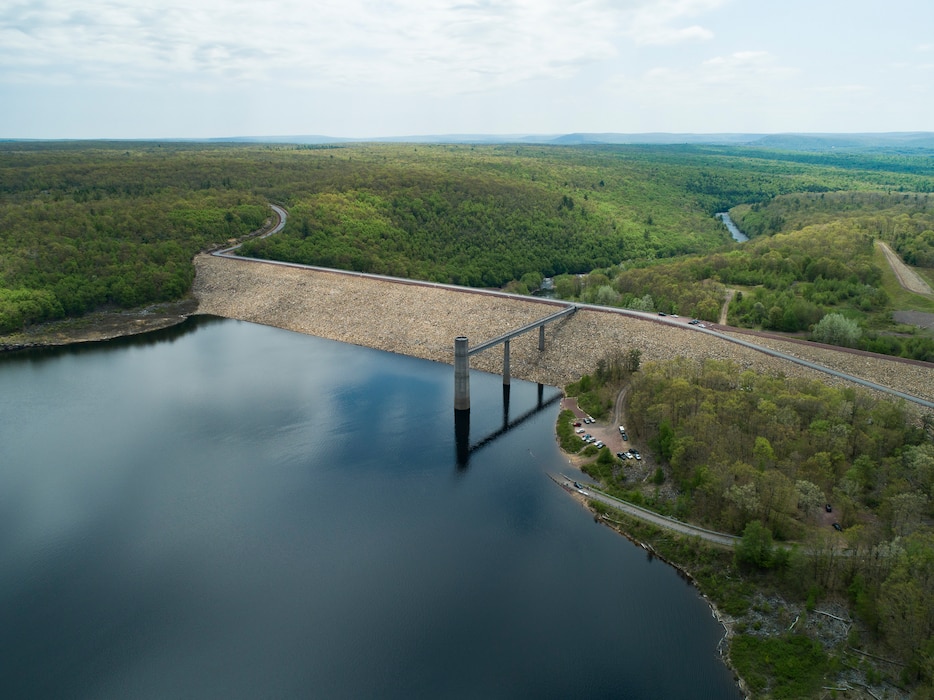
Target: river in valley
(227, 510)
(737, 235)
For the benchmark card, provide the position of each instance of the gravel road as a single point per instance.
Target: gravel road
(908, 278)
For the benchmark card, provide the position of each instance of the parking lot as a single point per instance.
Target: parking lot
(608, 433)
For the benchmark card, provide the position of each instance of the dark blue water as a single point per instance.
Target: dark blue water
(236, 511)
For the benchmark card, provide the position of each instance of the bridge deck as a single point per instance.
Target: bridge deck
(525, 329)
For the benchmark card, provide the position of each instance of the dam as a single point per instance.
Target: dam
(421, 321)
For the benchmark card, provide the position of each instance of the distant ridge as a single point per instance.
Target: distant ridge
(918, 142)
(908, 140)
(661, 138)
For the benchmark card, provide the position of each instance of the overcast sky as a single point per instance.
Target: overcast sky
(370, 68)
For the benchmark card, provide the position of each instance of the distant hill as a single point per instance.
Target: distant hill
(657, 138)
(920, 140)
(903, 141)
(912, 140)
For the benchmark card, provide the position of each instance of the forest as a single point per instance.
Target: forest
(831, 489)
(91, 225)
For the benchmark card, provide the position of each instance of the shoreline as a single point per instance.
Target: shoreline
(728, 623)
(100, 326)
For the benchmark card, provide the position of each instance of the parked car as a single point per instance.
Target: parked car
(578, 430)
(828, 508)
(577, 424)
(836, 526)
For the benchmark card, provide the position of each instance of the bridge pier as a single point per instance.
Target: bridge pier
(461, 374)
(505, 363)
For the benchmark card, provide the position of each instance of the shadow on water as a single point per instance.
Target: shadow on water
(464, 449)
(156, 337)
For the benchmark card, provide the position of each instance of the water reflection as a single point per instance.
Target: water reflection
(162, 336)
(464, 449)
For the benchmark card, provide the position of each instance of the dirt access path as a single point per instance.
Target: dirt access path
(726, 306)
(908, 278)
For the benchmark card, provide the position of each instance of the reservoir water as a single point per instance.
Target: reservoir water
(228, 510)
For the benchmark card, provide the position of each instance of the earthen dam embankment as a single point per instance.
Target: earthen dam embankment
(422, 321)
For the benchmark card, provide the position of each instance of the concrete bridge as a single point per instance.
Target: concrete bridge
(462, 353)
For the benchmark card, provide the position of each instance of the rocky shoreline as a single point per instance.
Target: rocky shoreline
(422, 322)
(100, 326)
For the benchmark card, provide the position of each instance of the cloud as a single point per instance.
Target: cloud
(745, 68)
(742, 73)
(735, 89)
(657, 23)
(458, 46)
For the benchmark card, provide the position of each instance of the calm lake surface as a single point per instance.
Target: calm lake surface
(234, 511)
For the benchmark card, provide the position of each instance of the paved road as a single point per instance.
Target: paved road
(662, 521)
(281, 214)
(677, 321)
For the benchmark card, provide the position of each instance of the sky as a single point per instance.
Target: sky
(382, 68)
